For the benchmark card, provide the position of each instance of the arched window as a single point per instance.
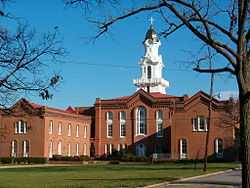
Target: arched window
(69, 129)
(159, 123)
(50, 149)
(141, 121)
(77, 149)
(149, 72)
(84, 149)
(183, 148)
(218, 147)
(14, 148)
(26, 148)
(69, 150)
(59, 148)
(77, 130)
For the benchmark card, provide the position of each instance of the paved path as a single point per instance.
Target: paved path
(228, 179)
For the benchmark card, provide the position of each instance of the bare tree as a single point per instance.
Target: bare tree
(25, 59)
(222, 25)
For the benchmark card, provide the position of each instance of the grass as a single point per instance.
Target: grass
(101, 176)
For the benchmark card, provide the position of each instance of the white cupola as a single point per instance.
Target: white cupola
(151, 65)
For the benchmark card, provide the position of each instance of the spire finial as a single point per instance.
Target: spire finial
(151, 21)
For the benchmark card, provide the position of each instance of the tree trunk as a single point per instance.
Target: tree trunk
(245, 140)
(244, 97)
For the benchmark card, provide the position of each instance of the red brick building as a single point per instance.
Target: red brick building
(31, 130)
(147, 122)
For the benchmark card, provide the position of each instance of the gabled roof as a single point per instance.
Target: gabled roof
(201, 95)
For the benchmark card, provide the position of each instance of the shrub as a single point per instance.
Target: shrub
(84, 158)
(114, 162)
(57, 158)
(6, 160)
(37, 160)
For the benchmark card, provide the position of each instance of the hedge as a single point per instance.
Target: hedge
(25, 160)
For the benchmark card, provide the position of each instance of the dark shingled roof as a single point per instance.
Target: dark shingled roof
(150, 33)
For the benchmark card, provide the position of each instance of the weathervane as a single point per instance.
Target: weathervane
(151, 20)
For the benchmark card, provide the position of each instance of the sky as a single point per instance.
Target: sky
(106, 68)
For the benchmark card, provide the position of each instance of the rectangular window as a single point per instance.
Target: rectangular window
(60, 128)
(109, 122)
(199, 123)
(77, 130)
(50, 127)
(69, 130)
(122, 124)
(110, 130)
(21, 127)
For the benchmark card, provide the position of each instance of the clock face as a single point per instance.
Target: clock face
(150, 41)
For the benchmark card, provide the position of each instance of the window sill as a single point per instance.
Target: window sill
(140, 135)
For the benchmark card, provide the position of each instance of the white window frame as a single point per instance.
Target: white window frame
(109, 124)
(25, 152)
(139, 121)
(51, 127)
(198, 121)
(50, 149)
(159, 122)
(218, 154)
(85, 132)
(85, 149)
(59, 148)
(69, 150)
(105, 149)
(183, 155)
(122, 124)
(77, 130)
(14, 148)
(21, 127)
(77, 149)
(69, 129)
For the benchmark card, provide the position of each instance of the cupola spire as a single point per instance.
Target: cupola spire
(151, 64)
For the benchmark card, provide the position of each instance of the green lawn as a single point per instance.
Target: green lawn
(123, 175)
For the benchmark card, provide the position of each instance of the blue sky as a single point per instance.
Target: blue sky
(88, 72)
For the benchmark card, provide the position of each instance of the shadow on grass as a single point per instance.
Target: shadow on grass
(121, 179)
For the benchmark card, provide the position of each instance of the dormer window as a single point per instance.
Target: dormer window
(21, 127)
(199, 123)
